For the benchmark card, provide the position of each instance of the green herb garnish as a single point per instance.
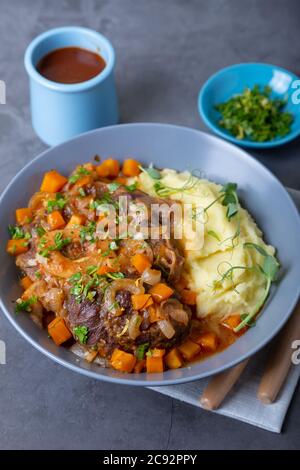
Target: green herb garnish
(59, 243)
(213, 234)
(115, 275)
(112, 187)
(56, 204)
(81, 192)
(131, 187)
(25, 305)
(79, 173)
(141, 350)
(81, 333)
(92, 269)
(113, 245)
(152, 172)
(114, 305)
(17, 232)
(254, 115)
(269, 269)
(88, 232)
(40, 231)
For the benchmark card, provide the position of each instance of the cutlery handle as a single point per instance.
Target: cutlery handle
(279, 361)
(220, 385)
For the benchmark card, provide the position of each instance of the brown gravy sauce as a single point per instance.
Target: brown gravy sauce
(70, 65)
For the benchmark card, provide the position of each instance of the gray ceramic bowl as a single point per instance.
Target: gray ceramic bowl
(179, 148)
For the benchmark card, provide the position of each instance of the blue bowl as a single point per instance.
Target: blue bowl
(233, 80)
(59, 111)
(179, 148)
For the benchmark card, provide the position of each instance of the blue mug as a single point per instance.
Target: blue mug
(60, 111)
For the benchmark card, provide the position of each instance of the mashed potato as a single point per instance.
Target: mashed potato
(220, 251)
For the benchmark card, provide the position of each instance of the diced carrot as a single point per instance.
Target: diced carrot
(109, 168)
(76, 219)
(88, 166)
(140, 262)
(131, 167)
(59, 331)
(102, 170)
(188, 297)
(123, 361)
(156, 352)
(26, 282)
(140, 301)
(23, 216)
(155, 314)
(53, 182)
(16, 247)
(84, 180)
(173, 359)
(208, 341)
(104, 269)
(55, 220)
(140, 366)
(161, 292)
(154, 364)
(232, 321)
(121, 180)
(189, 349)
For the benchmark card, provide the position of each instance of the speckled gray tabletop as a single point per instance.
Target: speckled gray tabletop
(165, 51)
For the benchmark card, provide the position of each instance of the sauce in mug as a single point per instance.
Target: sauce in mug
(71, 65)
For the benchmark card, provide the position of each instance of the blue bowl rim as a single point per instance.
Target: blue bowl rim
(159, 382)
(73, 87)
(218, 130)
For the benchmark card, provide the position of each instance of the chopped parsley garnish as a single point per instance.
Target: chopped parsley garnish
(131, 187)
(75, 277)
(152, 172)
(59, 243)
(88, 232)
(79, 173)
(92, 269)
(56, 204)
(114, 305)
(81, 192)
(141, 350)
(25, 305)
(115, 275)
(17, 232)
(40, 231)
(253, 114)
(113, 245)
(81, 333)
(112, 187)
(84, 287)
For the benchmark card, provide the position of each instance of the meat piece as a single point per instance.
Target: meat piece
(167, 258)
(27, 263)
(123, 298)
(74, 250)
(86, 314)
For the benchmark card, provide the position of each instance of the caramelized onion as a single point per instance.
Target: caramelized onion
(166, 328)
(134, 326)
(115, 286)
(174, 309)
(151, 276)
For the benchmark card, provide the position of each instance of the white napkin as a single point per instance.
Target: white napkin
(241, 403)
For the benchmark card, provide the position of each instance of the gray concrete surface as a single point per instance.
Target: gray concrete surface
(165, 51)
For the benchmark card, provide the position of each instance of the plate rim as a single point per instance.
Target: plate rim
(159, 382)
